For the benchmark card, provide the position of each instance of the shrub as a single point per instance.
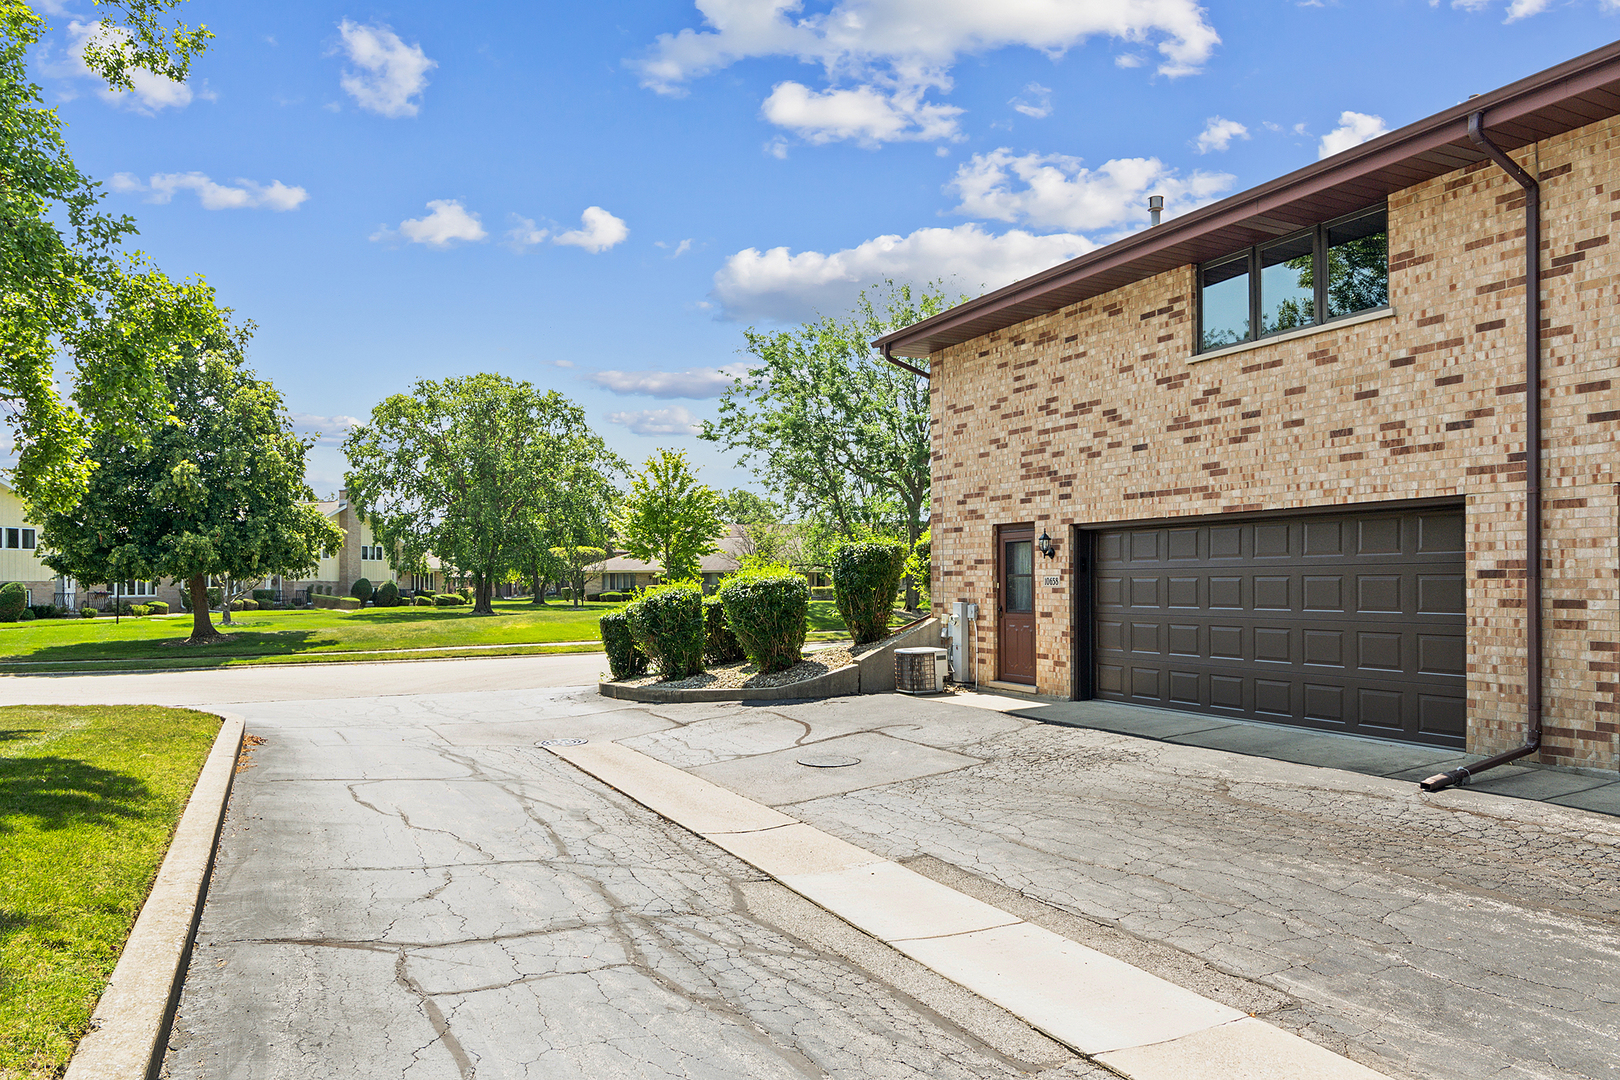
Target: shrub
(667, 624)
(139, 610)
(361, 590)
(27, 615)
(387, 595)
(41, 611)
(822, 592)
(767, 610)
(13, 602)
(159, 607)
(866, 575)
(264, 596)
(327, 600)
(449, 600)
(720, 644)
(613, 597)
(216, 596)
(625, 658)
(87, 612)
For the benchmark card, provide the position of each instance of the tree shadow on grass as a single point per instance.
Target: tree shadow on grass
(55, 792)
(14, 734)
(231, 645)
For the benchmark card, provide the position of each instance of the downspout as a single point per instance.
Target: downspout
(902, 364)
(1532, 463)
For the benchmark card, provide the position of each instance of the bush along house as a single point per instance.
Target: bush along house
(1288, 452)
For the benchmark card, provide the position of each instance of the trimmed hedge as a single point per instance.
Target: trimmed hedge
(361, 590)
(822, 592)
(625, 658)
(159, 607)
(13, 601)
(667, 625)
(244, 605)
(327, 600)
(866, 575)
(767, 610)
(27, 615)
(387, 595)
(613, 597)
(449, 600)
(42, 611)
(264, 596)
(88, 612)
(720, 644)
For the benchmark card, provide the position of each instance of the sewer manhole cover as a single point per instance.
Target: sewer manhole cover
(562, 742)
(828, 761)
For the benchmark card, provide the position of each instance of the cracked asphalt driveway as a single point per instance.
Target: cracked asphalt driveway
(407, 886)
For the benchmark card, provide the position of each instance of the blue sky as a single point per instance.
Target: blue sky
(599, 198)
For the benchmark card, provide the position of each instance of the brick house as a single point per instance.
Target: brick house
(1283, 477)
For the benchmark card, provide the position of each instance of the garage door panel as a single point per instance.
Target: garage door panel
(1350, 622)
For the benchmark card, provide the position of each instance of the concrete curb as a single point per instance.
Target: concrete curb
(129, 1028)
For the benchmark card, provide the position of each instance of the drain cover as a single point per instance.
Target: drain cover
(562, 742)
(828, 761)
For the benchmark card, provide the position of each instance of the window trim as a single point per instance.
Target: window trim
(1318, 234)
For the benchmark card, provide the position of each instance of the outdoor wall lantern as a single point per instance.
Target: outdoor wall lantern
(1044, 544)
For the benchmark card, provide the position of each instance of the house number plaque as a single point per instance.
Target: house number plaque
(1053, 579)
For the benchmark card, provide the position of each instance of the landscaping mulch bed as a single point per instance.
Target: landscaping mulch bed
(744, 675)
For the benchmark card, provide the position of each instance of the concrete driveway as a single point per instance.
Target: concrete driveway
(408, 886)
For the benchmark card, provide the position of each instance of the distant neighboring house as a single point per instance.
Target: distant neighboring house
(620, 573)
(19, 557)
(360, 557)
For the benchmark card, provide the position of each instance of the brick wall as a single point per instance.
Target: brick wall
(1098, 413)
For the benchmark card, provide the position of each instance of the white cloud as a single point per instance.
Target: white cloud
(866, 115)
(1519, 9)
(895, 51)
(523, 234)
(1353, 130)
(600, 230)
(391, 72)
(447, 222)
(779, 285)
(679, 249)
(151, 92)
(1041, 107)
(777, 148)
(331, 429)
(244, 195)
(1218, 134)
(1128, 60)
(1054, 191)
(691, 383)
(675, 420)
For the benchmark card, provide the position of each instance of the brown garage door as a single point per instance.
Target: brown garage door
(1350, 622)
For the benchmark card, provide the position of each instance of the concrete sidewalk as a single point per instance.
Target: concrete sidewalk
(1460, 934)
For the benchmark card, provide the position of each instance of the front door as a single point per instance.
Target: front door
(1015, 604)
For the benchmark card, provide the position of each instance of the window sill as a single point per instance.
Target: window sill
(1340, 323)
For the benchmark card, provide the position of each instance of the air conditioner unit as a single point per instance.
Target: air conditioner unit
(919, 671)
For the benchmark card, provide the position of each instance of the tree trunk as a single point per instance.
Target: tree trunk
(482, 588)
(537, 594)
(202, 627)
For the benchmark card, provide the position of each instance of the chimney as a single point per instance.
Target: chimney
(1155, 208)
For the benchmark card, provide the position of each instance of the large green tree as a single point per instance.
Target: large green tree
(839, 432)
(668, 517)
(822, 419)
(471, 470)
(215, 487)
(59, 256)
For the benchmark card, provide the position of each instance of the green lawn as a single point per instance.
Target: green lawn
(322, 635)
(268, 636)
(89, 796)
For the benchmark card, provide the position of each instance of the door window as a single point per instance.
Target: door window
(1020, 564)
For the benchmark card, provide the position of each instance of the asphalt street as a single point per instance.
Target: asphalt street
(408, 886)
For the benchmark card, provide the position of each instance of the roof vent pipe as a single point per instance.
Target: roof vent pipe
(1532, 462)
(1155, 208)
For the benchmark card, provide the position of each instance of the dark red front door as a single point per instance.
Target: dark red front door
(1015, 599)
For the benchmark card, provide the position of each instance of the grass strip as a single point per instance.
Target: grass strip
(89, 798)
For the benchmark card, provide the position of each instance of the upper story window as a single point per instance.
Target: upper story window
(1311, 277)
(372, 553)
(20, 538)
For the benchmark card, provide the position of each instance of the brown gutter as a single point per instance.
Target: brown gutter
(1532, 464)
(903, 364)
